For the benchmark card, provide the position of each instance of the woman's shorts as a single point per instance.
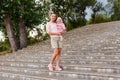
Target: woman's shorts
(56, 42)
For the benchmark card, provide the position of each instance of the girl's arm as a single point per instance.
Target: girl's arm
(64, 28)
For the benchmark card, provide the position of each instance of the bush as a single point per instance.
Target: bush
(115, 18)
(99, 18)
(72, 24)
(5, 46)
(32, 40)
(69, 26)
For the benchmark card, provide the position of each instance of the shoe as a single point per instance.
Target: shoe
(58, 68)
(50, 66)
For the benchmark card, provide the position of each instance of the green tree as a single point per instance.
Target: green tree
(6, 15)
(96, 8)
(108, 11)
(30, 14)
(116, 9)
(72, 12)
(19, 15)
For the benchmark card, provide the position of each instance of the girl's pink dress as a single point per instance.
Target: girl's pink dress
(60, 25)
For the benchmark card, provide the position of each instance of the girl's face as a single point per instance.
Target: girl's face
(53, 17)
(59, 20)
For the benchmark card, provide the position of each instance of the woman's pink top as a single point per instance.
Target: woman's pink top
(52, 27)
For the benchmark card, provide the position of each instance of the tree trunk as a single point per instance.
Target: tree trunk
(94, 17)
(10, 33)
(23, 36)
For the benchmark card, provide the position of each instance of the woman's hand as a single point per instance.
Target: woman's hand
(59, 33)
(53, 33)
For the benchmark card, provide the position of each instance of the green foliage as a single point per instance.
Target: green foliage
(116, 9)
(99, 18)
(32, 40)
(34, 12)
(75, 23)
(45, 37)
(41, 36)
(72, 12)
(96, 8)
(27, 11)
(69, 26)
(5, 46)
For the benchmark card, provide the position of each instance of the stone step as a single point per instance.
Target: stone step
(72, 61)
(78, 49)
(46, 57)
(67, 53)
(70, 75)
(89, 53)
(83, 68)
(64, 54)
(16, 76)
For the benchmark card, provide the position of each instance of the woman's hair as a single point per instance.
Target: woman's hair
(53, 13)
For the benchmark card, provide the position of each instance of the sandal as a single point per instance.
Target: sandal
(50, 66)
(58, 68)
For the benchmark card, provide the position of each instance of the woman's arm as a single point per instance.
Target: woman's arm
(48, 30)
(54, 33)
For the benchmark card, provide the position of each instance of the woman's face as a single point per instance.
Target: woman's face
(53, 17)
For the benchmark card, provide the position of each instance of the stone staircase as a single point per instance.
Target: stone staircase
(90, 53)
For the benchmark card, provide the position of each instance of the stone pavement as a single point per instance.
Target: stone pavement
(90, 53)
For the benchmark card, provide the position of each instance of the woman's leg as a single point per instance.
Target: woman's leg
(58, 57)
(58, 60)
(56, 51)
(53, 59)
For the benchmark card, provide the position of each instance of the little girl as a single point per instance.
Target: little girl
(60, 25)
(55, 33)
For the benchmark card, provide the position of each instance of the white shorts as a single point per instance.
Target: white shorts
(56, 42)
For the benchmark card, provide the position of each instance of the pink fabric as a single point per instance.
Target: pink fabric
(56, 27)
(51, 27)
(60, 25)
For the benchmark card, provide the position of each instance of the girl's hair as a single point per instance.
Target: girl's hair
(59, 20)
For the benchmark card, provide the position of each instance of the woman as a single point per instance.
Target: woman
(56, 42)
